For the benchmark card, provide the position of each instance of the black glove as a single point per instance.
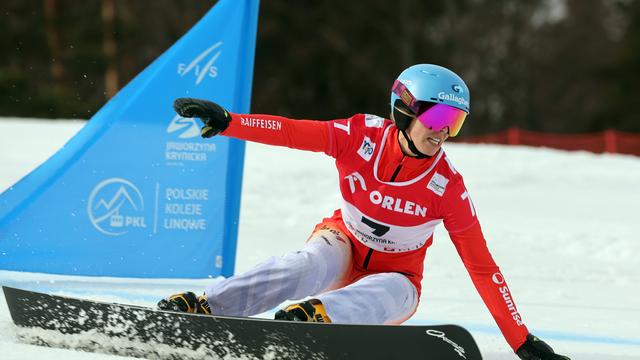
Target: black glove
(215, 118)
(186, 302)
(536, 349)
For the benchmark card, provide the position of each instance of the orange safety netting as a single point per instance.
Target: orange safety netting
(610, 141)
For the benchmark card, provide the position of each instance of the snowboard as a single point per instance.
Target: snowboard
(137, 331)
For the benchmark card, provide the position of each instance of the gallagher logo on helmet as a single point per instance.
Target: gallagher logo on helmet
(451, 97)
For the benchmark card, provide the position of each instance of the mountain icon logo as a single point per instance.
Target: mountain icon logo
(116, 206)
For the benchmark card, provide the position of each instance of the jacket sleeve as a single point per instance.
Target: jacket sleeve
(490, 283)
(310, 135)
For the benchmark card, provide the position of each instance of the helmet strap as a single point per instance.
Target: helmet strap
(413, 147)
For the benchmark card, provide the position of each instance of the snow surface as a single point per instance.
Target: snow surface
(563, 226)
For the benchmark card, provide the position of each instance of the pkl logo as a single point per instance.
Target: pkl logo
(115, 206)
(199, 70)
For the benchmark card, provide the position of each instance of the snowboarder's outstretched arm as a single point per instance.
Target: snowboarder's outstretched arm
(461, 221)
(307, 135)
(493, 289)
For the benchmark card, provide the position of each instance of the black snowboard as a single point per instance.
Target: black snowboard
(143, 332)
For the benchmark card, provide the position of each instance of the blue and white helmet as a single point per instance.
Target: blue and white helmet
(428, 83)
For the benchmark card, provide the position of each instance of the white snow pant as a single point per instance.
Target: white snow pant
(320, 270)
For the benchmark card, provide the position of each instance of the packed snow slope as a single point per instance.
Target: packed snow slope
(563, 226)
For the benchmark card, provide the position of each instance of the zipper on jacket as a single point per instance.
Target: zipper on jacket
(367, 258)
(397, 171)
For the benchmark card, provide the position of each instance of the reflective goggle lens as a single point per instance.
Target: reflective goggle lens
(440, 116)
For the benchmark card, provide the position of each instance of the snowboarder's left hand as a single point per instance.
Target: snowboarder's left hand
(536, 349)
(215, 118)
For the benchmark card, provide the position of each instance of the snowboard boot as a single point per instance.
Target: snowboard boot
(186, 302)
(311, 310)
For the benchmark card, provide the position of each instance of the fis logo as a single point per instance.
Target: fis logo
(188, 128)
(202, 65)
(115, 206)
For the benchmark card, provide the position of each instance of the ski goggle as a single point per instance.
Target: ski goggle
(440, 116)
(436, 117)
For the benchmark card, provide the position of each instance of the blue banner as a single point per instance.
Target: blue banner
(137, 192)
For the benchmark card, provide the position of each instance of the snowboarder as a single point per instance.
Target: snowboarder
(364, 264)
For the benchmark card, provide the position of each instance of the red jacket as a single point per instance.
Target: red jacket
(392, 202)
